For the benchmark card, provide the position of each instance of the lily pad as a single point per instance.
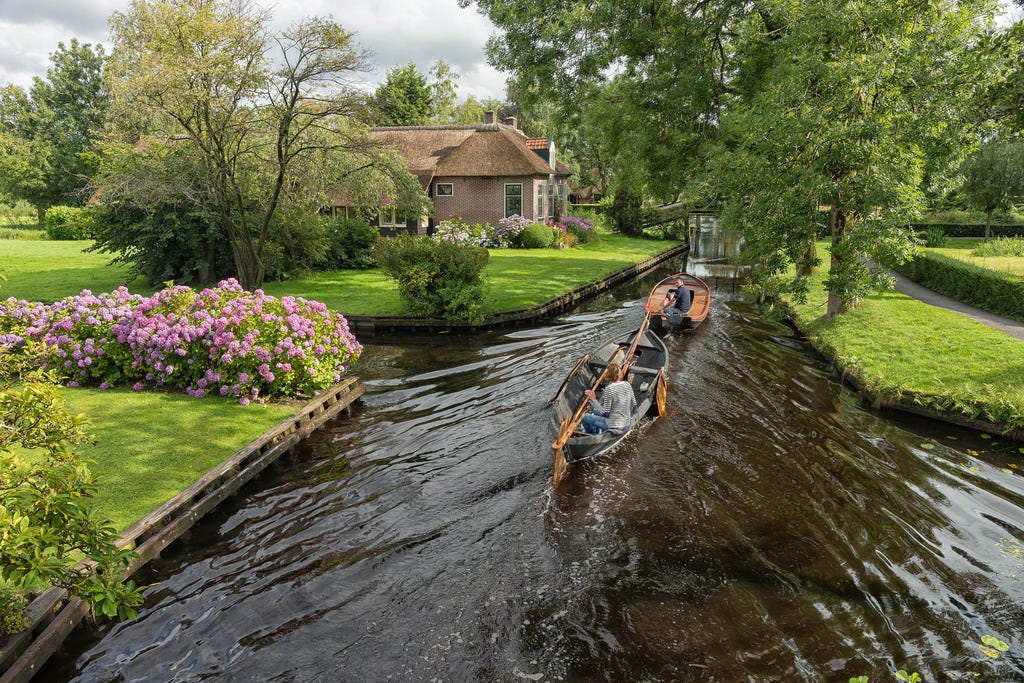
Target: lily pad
(989, 651)
(994, 642)
(927, 446)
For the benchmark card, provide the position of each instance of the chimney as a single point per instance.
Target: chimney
(511, 122)
(489, 117)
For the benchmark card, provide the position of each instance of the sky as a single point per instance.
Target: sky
(394, 32)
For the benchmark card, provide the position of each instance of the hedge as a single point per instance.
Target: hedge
(999, 293)
(971, 229)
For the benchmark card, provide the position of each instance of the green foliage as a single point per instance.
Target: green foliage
(999, 293)
(69, 223)
(12, 610)
(994, 177)
(298, 244)
(52, 152)
(935, 237)
(47, 521)
(536, 236)
(626, 214)
(178, 73)
(902, 675)
(859, 679)
(166, 242)
(404, 98)
(435, 279)
(351, 243)
(1002, 246)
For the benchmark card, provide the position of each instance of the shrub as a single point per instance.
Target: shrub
(166, 242)
(457, 231)
(436, 279)
(223, 340)
(626, 213)
(507, 233)
(999, 293)
(298, 244)
(580, 228)
(536, 236)
(351, 243)
(68, 223)
(935, 237)
(1001, 246)
(12, 610)
(563, 238)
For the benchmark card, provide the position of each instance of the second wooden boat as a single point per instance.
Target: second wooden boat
(662, 302)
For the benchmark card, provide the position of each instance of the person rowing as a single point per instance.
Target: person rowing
(615, 409)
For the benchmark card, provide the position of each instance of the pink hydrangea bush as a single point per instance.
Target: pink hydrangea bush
(221, 341)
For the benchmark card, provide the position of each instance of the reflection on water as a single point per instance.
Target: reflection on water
(768, 529)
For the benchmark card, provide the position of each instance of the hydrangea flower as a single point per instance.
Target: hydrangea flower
(227, 337)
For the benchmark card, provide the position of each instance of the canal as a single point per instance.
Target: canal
(770, 528)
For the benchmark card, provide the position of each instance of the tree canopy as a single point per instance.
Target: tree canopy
(994, 177)
(792, 117)
(51, 130)
(272, 123)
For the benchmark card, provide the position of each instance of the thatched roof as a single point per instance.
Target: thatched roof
(490, 150)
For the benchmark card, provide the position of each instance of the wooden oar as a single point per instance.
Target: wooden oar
(567, 426)
(572, 373)
(636, 341)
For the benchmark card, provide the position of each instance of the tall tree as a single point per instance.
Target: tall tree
(779, 106)
(57, 124)
(405, 97)
(269, 137)
(444, 91)
(994, 177)
(838, 108)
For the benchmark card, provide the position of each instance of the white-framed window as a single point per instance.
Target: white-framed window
(552, 198)
(444, 189)
(540, 202)
(513, 199)
(390, 218)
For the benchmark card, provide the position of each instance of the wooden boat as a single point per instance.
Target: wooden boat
(667, 317)
(647, 360)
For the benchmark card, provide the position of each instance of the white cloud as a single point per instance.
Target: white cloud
(395, 32)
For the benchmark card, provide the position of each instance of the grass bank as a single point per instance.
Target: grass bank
(961, 249)
(514, 278)
(149, 446)
(45, 270)
(901, 349)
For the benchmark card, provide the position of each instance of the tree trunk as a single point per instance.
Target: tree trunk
(807, 266)
(837, 222)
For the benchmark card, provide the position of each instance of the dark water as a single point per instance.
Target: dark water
(769, 529)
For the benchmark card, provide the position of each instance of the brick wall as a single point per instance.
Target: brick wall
(482, 200)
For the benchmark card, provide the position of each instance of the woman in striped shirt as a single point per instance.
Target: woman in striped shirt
(617, 405)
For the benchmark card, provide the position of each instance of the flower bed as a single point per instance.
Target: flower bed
(509, 232)
(222, 341)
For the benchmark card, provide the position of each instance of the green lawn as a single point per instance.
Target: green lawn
(43, 270)
(900, 347)
(960, 249)
(514, 278)
(152, 445)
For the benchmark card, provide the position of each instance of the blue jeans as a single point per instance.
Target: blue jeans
(594, 423)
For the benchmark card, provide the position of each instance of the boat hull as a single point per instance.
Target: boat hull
(648, 369)
(664, 317)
